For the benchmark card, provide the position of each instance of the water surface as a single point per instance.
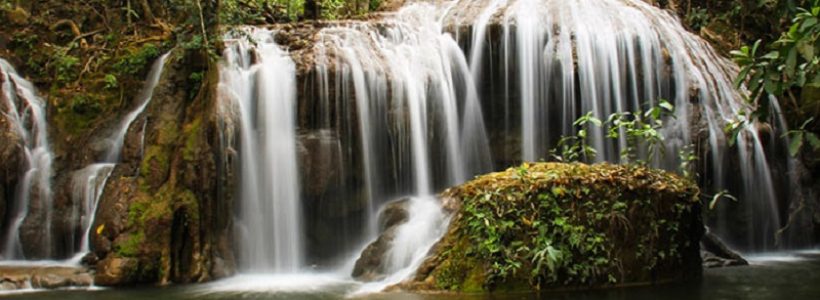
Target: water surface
(793, 275)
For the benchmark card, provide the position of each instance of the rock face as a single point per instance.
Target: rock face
(553, 225)
(165, 215)
(371, 264)
(10, 155)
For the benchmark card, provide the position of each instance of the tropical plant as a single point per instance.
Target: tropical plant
(640, 130)
(788, 64)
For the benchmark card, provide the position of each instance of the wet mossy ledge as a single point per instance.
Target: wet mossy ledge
(548, 226)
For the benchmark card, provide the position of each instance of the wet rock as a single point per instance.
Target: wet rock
(371, 264)
(716, 253)
(90, 260)
(320, 159)
(48, 281)
(10, 158)
(43, 277)
(2, 202)
(115, 271)
(166, 211)
(394, 214)
(9, 286)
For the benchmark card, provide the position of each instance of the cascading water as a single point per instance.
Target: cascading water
(560, 59)
(413, 96)
(410, 105)
(259, 84)
(420, 123)
(26, 113)
(89, 182)
(117, 138)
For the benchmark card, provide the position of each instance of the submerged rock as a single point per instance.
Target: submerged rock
(551, 225)
(716, 253)
(43, 277)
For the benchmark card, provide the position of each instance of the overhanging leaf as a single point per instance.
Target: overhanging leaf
(795, 144)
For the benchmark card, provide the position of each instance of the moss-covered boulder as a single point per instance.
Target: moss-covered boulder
(551, 225)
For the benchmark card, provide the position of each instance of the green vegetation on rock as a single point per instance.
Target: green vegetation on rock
(551, 224)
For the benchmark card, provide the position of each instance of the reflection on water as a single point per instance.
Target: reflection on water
(794, 275)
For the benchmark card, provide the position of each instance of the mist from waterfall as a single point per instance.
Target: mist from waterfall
(26, 112)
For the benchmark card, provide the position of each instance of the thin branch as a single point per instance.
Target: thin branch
(202, 22)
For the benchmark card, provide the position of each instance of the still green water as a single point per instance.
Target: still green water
(781, 276)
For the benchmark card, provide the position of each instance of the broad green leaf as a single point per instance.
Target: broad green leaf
(806, 49)
(771, 55)
(772, 86)
(795, 144)
(791, 63)
(741, 77)
(813, 141)
(666, 105)
(808, 22)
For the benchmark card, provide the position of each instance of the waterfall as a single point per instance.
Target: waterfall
(258, 80)
(26, 113)
(561, 59)
(143, 98)
(421, 125)
(88, 183)
(414, 96)
(414, 108)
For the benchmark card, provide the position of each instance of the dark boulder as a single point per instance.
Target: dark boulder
(372, 263)
(716, 253)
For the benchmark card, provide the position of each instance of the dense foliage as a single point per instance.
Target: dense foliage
(270, 11)
(788, 71)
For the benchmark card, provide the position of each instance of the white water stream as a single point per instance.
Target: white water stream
(26, 112)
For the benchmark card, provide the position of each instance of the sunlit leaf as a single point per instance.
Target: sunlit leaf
(795, 144)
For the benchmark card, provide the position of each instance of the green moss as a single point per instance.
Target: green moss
(553, 224)
(130, 247)
(148, 211)
(188, 199)
(156, 160)
(169, 133)
(193, 132)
